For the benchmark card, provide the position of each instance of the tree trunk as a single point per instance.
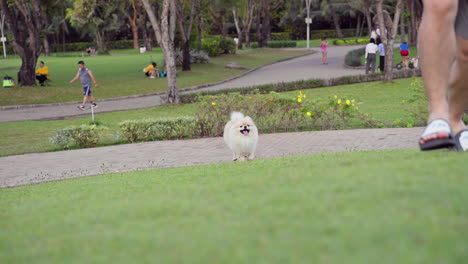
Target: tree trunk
(164, 32)
(101, 42)
(266, 28)
(369, 21)
(186, 57)
(358, 25)
(238, 28)
(25, 27)
(136, 44)
(336, 20)
(199, 27)
(247, 38)
(258, 23)
(388, 41)
(46, 47)
(413, 28)
(402, 23)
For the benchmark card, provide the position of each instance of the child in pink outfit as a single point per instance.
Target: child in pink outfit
(323, 46)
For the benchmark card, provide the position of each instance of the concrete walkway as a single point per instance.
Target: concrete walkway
(36, 168)
(306, 67)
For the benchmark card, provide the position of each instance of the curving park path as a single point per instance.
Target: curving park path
(52, 166)
(300, 68)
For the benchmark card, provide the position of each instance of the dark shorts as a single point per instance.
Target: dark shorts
(147, 74)
(461, 22)
(86, 90)
(404, 53)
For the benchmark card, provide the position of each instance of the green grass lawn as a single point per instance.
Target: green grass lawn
(391, 207)
(122, 74)
(382, 101)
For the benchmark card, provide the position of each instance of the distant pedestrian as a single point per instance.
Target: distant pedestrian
(85, 76)
(404, 52)
(42, 74)
(324, 47)
(371, 50)
(381, 48)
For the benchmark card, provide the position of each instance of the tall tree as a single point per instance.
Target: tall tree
(389, 38)
(336, 19)
(133, 12)
(243, 13)
(185, 28)
(25, 25)
(98, 17)
(263, 22)
(165, 31)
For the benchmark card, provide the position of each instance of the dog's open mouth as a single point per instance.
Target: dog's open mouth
(245, 131)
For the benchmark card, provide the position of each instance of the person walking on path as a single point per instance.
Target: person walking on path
(404, 52)
(381, 48)
(42, 74)
(443, 50)
(85, 76)
(324, 47)
(371, 50)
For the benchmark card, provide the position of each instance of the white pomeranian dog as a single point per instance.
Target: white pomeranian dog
(241, 136)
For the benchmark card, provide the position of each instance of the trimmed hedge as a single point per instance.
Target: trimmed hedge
(159, 129)
(281, 36)
(331, 33)
(84, 136)
(299, 85)
(276, 44)
(341, 42)
(353, 58)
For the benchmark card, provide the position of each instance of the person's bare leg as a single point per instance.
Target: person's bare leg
(458, 89)
(91, 98)
(85, 98)
(437, 52)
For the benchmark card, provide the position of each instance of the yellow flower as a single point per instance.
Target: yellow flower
(299, 100)
(309, 113)
(335, 97)
(213, 103)
(353, 105)
(339, 101)
(304, 96)
(348, 102)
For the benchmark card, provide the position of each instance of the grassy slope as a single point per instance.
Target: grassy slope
(383, 101)
(369, 207)
(122, 75)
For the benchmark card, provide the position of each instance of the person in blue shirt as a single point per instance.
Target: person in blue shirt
(443, 51)
(404, 52)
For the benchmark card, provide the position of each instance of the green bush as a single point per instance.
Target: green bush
(353, 58)
(274, 113)
(217, 45)
(159, 129)
(254, 45)
(340, 42)
(281, 36)
(331, 33)
(83, 136)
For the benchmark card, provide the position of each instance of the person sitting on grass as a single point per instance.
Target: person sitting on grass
(151, 71)
(42, 74)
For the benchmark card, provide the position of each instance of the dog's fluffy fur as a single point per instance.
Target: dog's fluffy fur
(241, 135)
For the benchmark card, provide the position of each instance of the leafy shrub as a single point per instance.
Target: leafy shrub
(196, 56)
(254, 45)
(416, 103)
(83, 136)
(217, 45)
(340, 42)
(353, 58)
(159, 129)
(274, 113)
(331, 33)
(281, 36)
